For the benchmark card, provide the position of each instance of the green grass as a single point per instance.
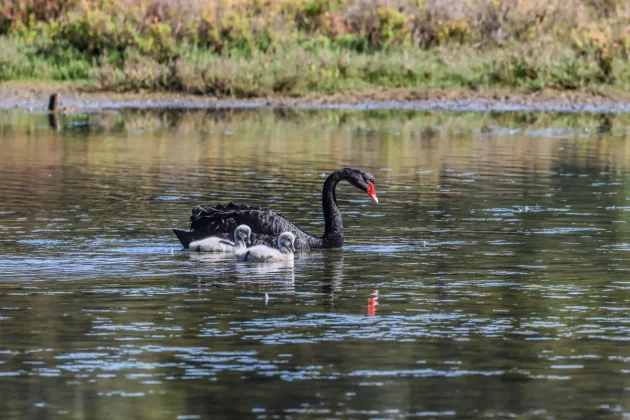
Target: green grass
(291, 70)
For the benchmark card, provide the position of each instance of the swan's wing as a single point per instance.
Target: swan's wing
(266, 225)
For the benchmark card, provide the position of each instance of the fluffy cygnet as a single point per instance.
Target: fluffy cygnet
(216, 244)
(266, 253)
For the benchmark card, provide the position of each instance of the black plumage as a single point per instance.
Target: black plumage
(266, 224)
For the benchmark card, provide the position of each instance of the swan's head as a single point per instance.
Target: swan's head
(362, 180)
(285, 242)
(242, 234)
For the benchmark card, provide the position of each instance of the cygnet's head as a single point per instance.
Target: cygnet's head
(242, 234)
(285, 242)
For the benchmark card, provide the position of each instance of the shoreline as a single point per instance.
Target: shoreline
(33, 97)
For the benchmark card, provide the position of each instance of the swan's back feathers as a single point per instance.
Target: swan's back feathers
(266, 225)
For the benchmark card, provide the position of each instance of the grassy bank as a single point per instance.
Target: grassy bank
(253, 48)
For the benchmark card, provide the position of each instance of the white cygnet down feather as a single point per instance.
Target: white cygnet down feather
(216, 244)
(265, 253)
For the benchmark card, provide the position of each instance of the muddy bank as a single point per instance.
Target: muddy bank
(32, 97)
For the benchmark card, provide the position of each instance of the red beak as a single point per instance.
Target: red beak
(372, 193)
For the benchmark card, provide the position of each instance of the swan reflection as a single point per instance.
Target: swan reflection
(332, 276)
(273, 273)
(211, 257)
(268, 278)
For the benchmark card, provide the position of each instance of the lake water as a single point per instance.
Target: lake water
(492, 280)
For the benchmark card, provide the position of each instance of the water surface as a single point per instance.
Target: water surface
(492, 280)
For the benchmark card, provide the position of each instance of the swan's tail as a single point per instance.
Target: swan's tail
(184, 236)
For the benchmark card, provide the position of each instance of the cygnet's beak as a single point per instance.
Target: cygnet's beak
(292, 248)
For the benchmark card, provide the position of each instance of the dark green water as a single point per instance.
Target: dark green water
(499, 252)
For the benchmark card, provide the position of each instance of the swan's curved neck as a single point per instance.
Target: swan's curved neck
(333, 234)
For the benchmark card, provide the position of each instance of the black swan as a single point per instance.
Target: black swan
(264, 253)
(217, 244)
(266, 225)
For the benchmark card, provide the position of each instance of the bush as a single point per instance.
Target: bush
(256, 47)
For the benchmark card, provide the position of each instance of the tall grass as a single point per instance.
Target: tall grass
(260, 47)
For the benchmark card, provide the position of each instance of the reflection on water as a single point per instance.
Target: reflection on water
(491, 281)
